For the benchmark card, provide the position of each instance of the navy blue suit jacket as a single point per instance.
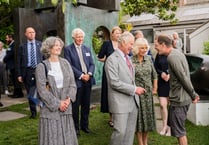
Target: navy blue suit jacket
(9, 59)
(70, 53)
(22, 57)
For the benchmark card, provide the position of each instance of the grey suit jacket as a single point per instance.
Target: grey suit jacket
(51, 98)
(121, 84)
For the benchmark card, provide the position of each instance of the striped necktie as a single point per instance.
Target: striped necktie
(32, 56)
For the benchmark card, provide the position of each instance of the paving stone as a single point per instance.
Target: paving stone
(9, 115)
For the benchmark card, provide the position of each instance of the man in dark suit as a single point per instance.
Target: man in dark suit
(81, 60)
(29, 55)
(9, 60)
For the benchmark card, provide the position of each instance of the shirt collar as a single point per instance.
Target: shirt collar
(33, 41)
(122, 54)
(76, 46)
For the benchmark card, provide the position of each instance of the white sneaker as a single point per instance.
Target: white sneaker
(7, 92)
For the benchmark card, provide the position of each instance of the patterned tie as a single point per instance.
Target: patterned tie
(33, 57)
(83, 65)
(129, 64)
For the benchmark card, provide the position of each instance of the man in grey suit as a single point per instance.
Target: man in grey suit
(123, 96)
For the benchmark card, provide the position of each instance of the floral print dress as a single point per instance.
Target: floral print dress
(144, 75)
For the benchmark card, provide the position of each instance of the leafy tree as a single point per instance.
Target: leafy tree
(164, 9)
(6, 10)
(6, 19)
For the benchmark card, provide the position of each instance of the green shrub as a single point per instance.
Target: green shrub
(206, 48)
(97, 43)
(4, 31)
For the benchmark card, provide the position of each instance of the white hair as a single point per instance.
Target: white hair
(125, 37)
(76, 31)
(140, 42)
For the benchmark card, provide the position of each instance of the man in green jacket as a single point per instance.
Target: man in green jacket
(182, 93)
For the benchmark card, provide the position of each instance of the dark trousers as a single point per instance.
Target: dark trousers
(83, 100)
(1, 77)
(17, 87)
(29, 82)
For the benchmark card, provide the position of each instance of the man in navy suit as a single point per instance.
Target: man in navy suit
(81, 60)
(9, 60)
(29, 55)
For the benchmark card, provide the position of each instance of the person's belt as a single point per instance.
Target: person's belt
(31, 68)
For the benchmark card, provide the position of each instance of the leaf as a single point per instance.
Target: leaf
(63, 6)
(161, 8)
(54, 2)
(74, 2)
(41, 1)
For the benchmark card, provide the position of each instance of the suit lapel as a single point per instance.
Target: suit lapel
(76, 56)
(25, 52)
(50, 78)
(123, 63)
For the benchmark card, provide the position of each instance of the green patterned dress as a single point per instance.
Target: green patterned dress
(144, 75)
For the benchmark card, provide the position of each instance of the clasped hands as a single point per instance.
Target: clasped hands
(85, 77)
(64, 104)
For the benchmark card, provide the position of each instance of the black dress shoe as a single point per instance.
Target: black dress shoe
(33, 117)
(86, 130)
(1, 104)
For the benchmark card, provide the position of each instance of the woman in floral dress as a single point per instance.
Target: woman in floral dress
(146, 77)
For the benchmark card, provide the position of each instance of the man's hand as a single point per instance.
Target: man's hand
(196, 99)
(85, 77)
(20, 79)
(140, 90)
(165, 76)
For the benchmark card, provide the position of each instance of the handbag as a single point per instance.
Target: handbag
(35, 97)
(46, 74)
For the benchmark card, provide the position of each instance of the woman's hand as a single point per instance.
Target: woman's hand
(165, 76)
(154, 91)
(64, 104)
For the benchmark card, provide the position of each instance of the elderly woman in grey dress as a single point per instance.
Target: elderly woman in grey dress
(146, 77)
(56, 125)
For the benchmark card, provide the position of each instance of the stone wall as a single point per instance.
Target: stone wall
(88, 19)
(42, 22)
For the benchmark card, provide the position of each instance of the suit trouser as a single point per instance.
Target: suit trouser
(83, 100)
(3, 76)
(17, 87)
(124, 128)
(30, 83)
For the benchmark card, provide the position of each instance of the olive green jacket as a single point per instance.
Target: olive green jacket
(181, 89)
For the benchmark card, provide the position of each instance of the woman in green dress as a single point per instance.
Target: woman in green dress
(146, 77)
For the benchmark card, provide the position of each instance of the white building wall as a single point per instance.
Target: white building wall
(194, 1)
(197, 39)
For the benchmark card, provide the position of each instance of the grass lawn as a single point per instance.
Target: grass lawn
(24, 131)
